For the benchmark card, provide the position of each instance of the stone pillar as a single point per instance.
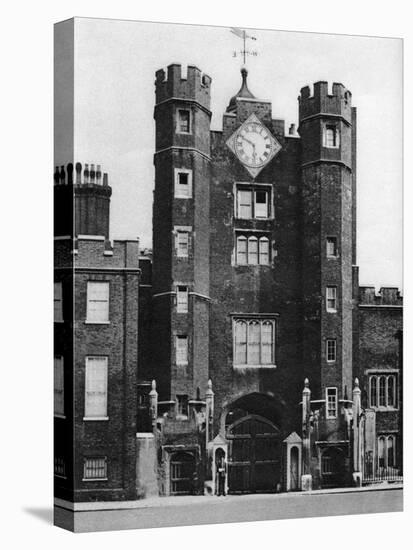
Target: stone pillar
(153, 404)
(209, 413)
(146, 466)
(357, 475)
(306, 478)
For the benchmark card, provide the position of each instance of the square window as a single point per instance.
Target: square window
(96, 388)
(331, 298)
(95, 468)
(252, 250)
(254, 342)
(97, 302)
(182, 350)
(253, 202)
(331, 350)
(184, 121)
(183, 183)
(331, 247)
(182, 299)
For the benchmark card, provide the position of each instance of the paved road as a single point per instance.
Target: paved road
(207, 510)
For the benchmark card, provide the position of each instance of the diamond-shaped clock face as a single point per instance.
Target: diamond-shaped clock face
(254, 145)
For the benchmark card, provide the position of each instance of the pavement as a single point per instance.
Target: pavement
(193, 510)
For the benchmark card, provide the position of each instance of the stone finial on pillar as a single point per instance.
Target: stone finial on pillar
(153, 404)
(86, 174)
(209, 399)
(78, 173)
(357, 476)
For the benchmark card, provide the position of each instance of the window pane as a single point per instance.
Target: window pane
(253, 251)
(96, 387)
(390, 452)
(267, 343)
(181, 350)
(95, 468)
(184, 121)
(373, 391)
(182, 244)
(58, 302)
(182, 299)
(331, 246)
(182, 184)
(244, 204)
(331, 297)
(331, 350)
(241, 250)
(97, 302)
(182, 404)
(240, 343)
(382, 391)
(381, 452)
(264, 251)
(253, 343)
(261, 204)
(331, 402)
(391, 401)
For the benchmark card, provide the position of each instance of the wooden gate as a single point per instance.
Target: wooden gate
(183, 469)
(254, 460)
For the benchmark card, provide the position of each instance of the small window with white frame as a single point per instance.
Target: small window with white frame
(97, 311)
(58, 302)
(59, 392)
(182, 299)
(184, 121)
(96, 388)
(181, 349)
(331, 245)
(331, 402)
(95, 468)
(331, 136)
(331, 350)
(182, 243)
(183, 183)
(331, 298)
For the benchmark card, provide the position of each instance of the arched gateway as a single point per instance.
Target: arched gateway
(254, 446)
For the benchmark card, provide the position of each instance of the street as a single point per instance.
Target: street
(175, 511)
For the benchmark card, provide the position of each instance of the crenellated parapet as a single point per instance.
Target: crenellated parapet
(321, 102)
(387, 296)
(196, 86)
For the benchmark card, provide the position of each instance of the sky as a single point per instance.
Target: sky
(114, 72)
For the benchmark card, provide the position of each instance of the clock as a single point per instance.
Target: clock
(254, 145)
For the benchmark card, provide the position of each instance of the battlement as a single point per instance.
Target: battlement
(196, 86)
(387, 296)
(84, 175)
(321, 102)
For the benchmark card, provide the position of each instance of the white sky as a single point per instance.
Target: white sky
(115, 64)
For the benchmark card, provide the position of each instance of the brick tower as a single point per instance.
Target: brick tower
(181, 211)
(327, 130)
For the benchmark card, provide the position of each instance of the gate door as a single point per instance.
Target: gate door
(254, 455)
(182, 473)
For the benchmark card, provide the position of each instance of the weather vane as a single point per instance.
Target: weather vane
(241, 33)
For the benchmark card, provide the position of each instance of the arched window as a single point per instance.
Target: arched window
(241, 250)
(391, 398)
(373, 391)
(390, 451)
(254, 343)
(382, 391)
(381, 451)
(267, 343)
(264, 251)
(253, 250)
(240, 342)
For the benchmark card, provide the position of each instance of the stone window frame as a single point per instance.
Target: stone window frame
(179, 230)
(331, 239)
(385, 437)
(331, 391)
(177, 172)
(328, 127)
(253, 188)
(249, 237)
(105, 364)
(105, 320)
(374, 386)
(180, 304)
(178, 127)
(102, 465)
(254, 319)
(179, 360)
(333, 288)
(331, 341)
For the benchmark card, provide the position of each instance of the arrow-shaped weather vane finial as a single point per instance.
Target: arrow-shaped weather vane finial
(241, 33)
